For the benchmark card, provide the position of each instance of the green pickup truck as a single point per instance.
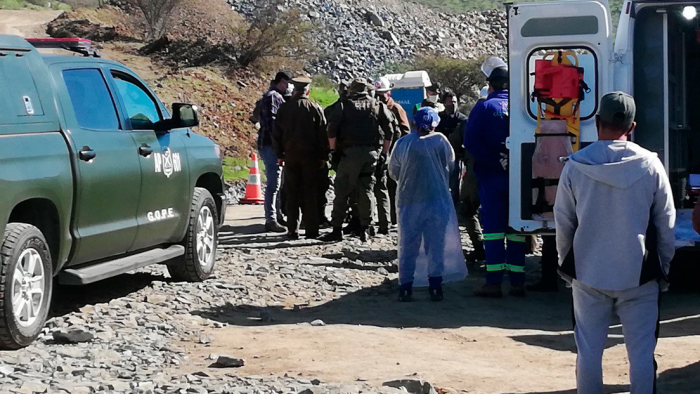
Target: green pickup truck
(97, 179)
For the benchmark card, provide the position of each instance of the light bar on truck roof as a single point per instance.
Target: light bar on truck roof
(77, 45)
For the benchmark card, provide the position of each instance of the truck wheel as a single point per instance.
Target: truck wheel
(200, 241)
(26, 282)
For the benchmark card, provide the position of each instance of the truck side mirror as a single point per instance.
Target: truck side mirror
(184, 116)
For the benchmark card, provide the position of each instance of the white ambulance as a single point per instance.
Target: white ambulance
(655, 56)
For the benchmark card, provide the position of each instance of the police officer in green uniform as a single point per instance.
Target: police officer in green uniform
(301, 144)
(359, 132)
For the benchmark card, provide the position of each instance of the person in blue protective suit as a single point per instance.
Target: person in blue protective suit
(430, 248)
(484, 138)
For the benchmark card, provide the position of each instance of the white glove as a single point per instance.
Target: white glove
(504, 161)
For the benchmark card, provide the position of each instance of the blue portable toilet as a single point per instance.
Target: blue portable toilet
(409, 89)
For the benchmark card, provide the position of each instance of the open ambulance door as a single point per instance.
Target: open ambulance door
(578, 36)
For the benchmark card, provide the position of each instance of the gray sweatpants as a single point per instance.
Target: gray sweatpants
(638, 309)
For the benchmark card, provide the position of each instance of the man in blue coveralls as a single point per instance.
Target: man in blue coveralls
(484, 137)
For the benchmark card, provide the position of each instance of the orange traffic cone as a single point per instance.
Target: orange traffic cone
(253, 190)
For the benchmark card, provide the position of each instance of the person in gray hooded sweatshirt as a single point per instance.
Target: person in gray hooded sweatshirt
(614, 214)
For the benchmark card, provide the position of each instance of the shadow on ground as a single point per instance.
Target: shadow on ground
(67, 299)
(609, 389)
(678, 380)
(549, 314)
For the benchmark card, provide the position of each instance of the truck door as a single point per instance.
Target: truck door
(107, 169)
(536, 30)
(163, 210)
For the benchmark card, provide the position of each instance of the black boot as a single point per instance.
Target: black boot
(363, 234)
(352, 227)
(311, 234)
(435, 288)
(405, 292)
(335, 236)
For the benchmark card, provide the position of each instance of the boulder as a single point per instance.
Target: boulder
(412, 386)
(391, 37)
(72, 336)
(375, 19)
(229, 362)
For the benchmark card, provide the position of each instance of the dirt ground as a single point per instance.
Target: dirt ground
(464, 343)
(26, 23)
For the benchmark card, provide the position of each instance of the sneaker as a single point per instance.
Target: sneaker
(517, 291)
(489, 291)
(274, 227)
(293, 236)
(544, 286)
(335, 236)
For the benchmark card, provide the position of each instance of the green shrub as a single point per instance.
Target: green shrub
(323, 82)
(11, 4)
(232, 174)
(323, 96)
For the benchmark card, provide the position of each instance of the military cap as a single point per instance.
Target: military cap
(358, 85)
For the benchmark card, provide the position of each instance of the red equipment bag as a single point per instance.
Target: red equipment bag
(557, 81)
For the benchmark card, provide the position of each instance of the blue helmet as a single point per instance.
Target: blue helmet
(426, 118)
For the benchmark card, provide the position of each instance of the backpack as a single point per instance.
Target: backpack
(255, 115)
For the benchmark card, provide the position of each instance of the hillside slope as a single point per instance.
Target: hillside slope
(359, 37)
(480, 5)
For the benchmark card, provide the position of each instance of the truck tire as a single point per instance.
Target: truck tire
(26, 283)
(200, 242)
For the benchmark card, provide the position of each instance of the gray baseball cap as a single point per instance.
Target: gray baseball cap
(617, 109)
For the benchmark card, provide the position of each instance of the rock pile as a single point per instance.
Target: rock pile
(359, 37)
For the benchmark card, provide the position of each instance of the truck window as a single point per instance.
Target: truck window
(92, 103)
(141, 109)
(586, 59)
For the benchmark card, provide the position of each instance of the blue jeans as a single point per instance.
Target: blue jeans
(272, 173)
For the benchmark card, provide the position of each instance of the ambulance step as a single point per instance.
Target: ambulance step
(107, 269)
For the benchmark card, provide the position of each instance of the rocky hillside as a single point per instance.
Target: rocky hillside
(359, 37)
(355, 37)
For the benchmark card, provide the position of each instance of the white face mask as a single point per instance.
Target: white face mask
(433, 99)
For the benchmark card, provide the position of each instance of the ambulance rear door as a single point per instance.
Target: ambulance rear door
(535, 30)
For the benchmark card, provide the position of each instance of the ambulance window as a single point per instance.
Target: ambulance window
(562, 26)
(587, 62)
